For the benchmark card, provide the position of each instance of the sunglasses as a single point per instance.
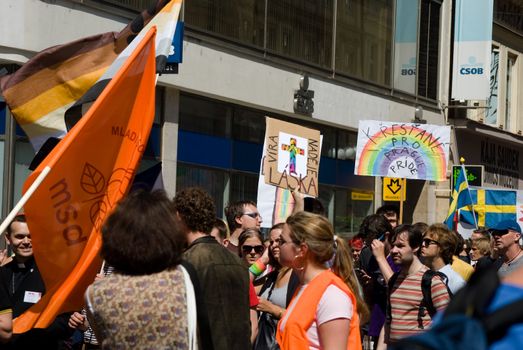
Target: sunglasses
(253, 215)
(258, 249)
(499, 232)
(427, 241)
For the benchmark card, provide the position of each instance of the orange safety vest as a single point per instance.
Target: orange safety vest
(294, 335)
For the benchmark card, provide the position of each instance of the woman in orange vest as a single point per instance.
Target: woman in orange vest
(323, 313)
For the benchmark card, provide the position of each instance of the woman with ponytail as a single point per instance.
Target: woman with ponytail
(325, 310)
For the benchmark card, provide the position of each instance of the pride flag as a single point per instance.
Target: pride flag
(165, 23)
(39, 93)
(91, 169)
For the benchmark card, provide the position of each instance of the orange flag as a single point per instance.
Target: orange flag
(91, 169)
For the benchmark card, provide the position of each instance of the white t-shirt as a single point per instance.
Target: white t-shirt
(333, 304)
(454, 280)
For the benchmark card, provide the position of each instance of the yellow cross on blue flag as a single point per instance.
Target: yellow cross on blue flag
(490, 207)
(461, 197)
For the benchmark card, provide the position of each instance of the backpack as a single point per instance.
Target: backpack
(426, 290)
(465, 323)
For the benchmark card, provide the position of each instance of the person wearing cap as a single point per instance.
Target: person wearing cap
(506, 235)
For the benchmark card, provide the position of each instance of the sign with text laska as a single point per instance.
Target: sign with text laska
(292, 157)
(402, 150)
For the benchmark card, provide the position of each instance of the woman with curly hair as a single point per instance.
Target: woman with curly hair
(148, 301)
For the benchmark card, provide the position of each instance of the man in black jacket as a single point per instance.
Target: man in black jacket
(222, 277)
(25, 288)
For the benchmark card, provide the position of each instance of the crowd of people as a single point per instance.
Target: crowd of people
(177, 277)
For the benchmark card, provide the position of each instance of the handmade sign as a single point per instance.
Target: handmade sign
(402, 150)
(292, 157)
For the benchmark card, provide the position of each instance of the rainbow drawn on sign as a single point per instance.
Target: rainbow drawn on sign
(283, 206)
(403, 147)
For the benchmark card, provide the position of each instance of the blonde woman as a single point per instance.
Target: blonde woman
(323, 313)
(479, 248)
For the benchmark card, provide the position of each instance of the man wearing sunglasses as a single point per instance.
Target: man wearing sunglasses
(414, 294)
(241, 215)
(437, 249)
(506, 235)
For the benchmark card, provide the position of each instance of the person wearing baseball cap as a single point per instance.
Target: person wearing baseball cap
(506, 235)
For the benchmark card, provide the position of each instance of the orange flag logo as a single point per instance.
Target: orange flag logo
(91, 170)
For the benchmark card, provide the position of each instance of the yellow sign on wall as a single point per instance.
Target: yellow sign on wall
(394, 189)
(361, 196)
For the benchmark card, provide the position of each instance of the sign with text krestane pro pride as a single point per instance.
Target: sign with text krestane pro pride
(402, 150)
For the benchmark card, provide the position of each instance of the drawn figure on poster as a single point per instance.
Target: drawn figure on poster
(293, 150)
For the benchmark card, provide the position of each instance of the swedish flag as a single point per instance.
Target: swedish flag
(490, 207)
(460, 198)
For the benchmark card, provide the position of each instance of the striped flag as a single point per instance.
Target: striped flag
(165, 22)
(460, 198)
(39, 93)
(66, 212)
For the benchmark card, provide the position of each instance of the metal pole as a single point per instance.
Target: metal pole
(9, 159)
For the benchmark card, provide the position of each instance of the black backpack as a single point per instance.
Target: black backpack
(426, 290)
(465, 323)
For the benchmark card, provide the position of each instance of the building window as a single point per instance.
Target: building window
(205, 116)
(510, 96)
(491, 117)
(364, 39)
(350, 210)
(212, 180)
(428, 52)
(248, 125)
(301, 29)
(244, 187)
(240, 20)
(502, 105)
(508, 13)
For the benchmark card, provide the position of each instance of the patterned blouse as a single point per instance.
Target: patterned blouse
(139, 312)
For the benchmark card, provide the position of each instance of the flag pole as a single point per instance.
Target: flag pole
(24, 198)
(402, 197)
(462, 161)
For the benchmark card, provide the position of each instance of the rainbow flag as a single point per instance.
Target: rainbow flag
(39, 93)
